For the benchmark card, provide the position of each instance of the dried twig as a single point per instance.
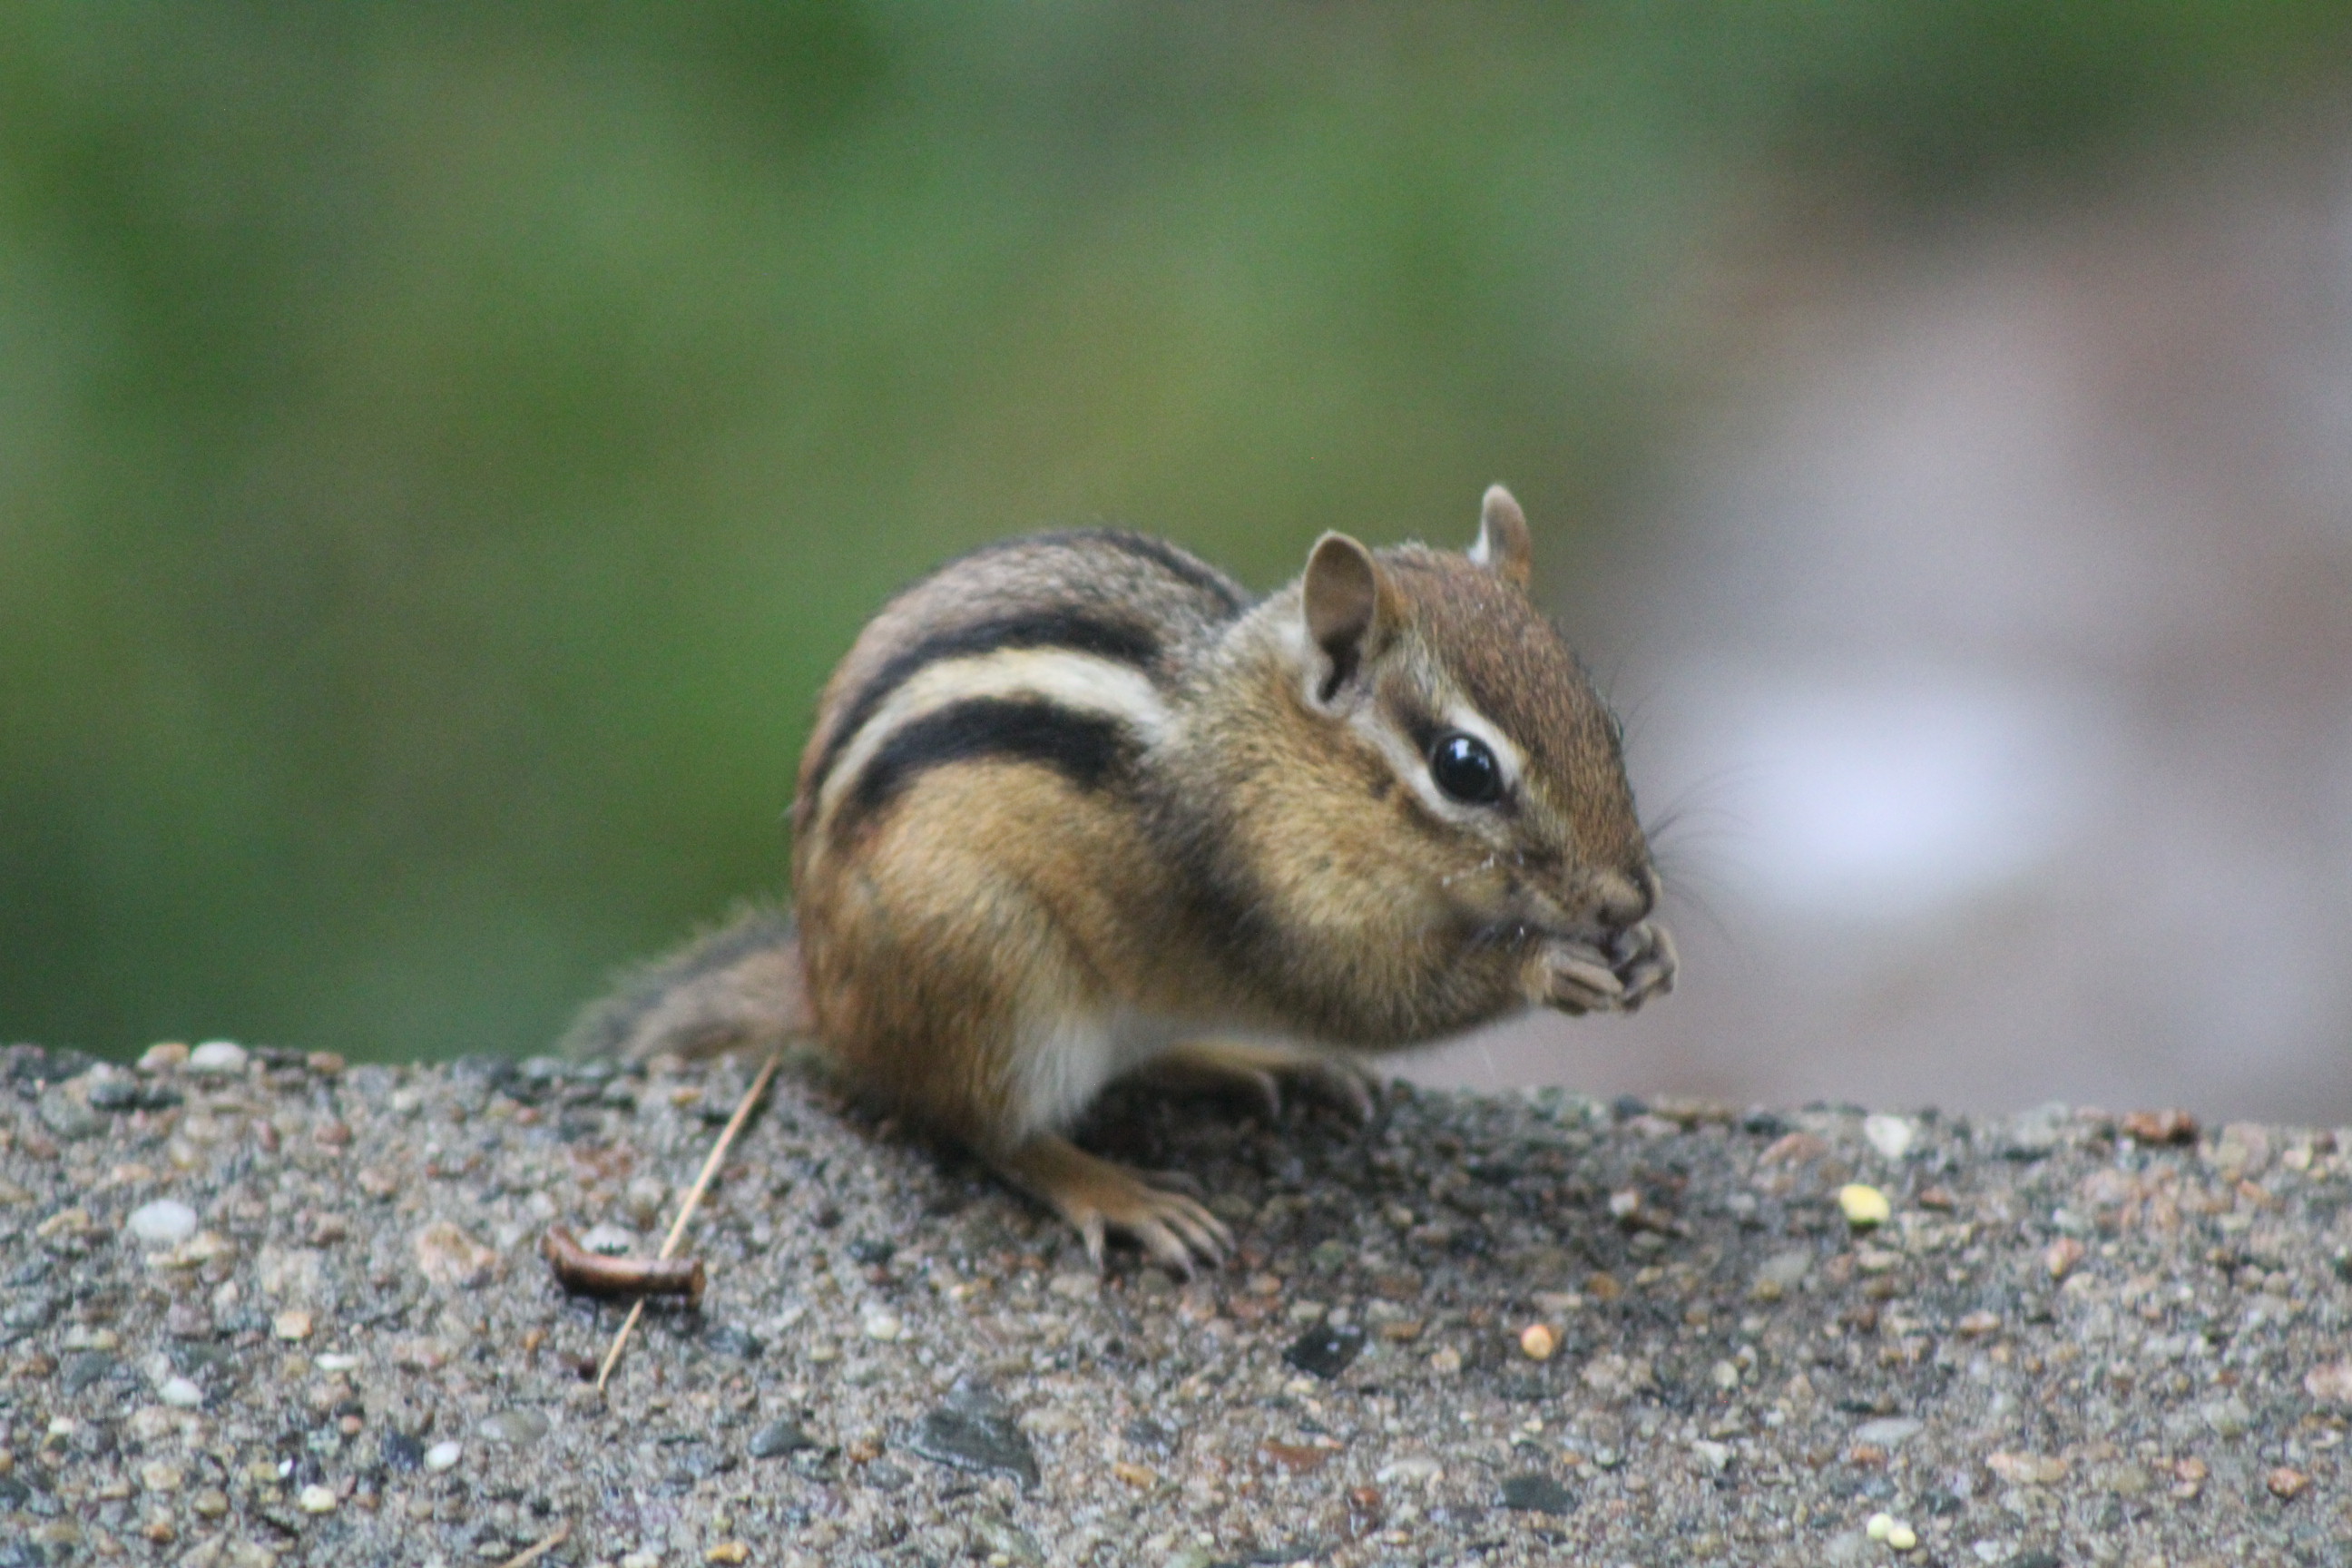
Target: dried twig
(594, 1274)
(693, 1199)
(532, 1554)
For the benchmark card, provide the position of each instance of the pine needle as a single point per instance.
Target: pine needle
(693, 1200)
(531, 1554)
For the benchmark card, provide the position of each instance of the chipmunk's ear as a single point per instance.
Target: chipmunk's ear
(1504, 546)
(1351, 608)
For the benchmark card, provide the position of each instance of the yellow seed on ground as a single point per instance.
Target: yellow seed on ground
(1903, 1538)
(1538, 1341)
(1881, 1525)
(1864, 1207)
(727, 1552)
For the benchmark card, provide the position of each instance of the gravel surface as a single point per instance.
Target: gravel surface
(258, 1307)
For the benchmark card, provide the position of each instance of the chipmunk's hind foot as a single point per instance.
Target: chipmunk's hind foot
(1099, 1198)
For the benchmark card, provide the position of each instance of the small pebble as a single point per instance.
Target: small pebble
(609, 1239)
(1887, 1431)
(727, 1552)
(973, 1430)
(180, 1394)
(777, 1438)
(1537, 1494)
(2161, 1126)
(162, 1056)
(65, 1114)
(1536, 1341)
(450, 1259)
(292, 1325)
(336, 1361)
(884, 1326)
(444, 1456)
(516, 1428)
(222, 1059)
(315, 1499)
(1902, 1537)
(2330, 1382)
(1446, 1363)
(1892, 1136)
(2286, 1484)
(1865, 1207)
(1880, 1526)
(1326, 1349)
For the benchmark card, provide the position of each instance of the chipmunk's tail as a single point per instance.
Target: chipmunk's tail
(737, 987)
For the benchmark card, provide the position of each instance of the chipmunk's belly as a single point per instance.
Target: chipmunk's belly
(1068, 1060)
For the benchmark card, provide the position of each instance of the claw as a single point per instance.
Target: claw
(1098, 1198)
(1183, 1182)
(1091, 1230)
(1267, 1088)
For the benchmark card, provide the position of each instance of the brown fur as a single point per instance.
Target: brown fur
(1069, 805)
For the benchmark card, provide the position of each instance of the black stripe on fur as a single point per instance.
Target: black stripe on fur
(1117, 641)
(1092, 750)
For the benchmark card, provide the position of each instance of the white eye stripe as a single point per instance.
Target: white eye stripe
(1406, 756)
(1080, 683)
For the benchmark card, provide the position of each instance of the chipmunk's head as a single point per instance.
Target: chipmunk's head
(1491, 804)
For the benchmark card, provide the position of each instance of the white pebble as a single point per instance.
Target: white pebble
(443, 1455)
(336, 1361)
(226, 1058)
(1890, 1135)
(884, 1326)
(315, 1499)
(181, 1392)
(612, 1240)
(166, 1222)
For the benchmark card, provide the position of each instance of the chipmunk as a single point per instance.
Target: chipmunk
(1075, 807)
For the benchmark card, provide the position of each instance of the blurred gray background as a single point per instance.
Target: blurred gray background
(443, 450)
(1990, 640)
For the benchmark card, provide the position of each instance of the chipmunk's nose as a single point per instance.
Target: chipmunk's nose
(1620, 900)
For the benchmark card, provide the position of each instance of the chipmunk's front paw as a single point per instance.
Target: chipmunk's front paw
(1099, 1197)
(1643, 961)
(1578, 977)
(1574, 977)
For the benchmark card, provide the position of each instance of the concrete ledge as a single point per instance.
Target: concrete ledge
(287, 1312)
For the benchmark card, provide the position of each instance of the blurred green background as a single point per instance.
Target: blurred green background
(444, 448)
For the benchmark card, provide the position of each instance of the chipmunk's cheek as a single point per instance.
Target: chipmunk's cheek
(1644, 964)
(1573, 977)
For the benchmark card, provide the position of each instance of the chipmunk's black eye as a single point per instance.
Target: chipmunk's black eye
(1464, 768)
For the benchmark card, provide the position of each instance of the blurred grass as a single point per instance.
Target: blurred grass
(443, 448)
